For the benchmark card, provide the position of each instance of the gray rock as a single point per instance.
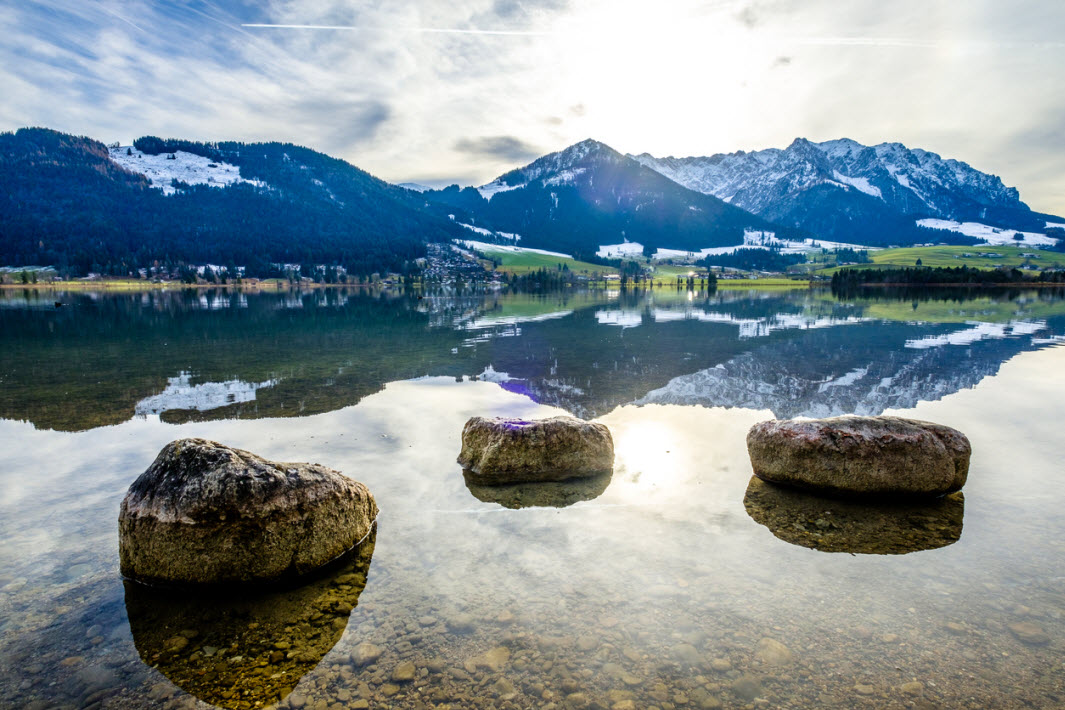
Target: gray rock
(747, 686)
(863, 456)
(208, 513)
(365, 653)
(687, 654)
(461, 623)
(502, 451)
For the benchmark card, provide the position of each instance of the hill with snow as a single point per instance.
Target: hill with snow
(848, 192)
(74, 203)
(579, 199)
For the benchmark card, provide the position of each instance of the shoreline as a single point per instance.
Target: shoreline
(133, 286)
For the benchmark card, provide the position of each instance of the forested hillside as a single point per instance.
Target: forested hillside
(64, 202)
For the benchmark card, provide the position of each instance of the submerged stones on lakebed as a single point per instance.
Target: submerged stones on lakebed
(205, 513)
(859, 527)
(236, 649)
(861, 456)
(507, 451)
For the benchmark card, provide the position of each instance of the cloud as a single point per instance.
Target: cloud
(976, 80)
(749, 17)
(502, 147)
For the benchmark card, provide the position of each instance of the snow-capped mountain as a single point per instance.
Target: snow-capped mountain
(560, 168)
(847, 191)
(587, 195)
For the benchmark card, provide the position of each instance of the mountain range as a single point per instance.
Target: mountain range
(77, 204)
(844, 191)
(589, 195)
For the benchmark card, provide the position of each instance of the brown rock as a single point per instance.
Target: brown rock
(912, 688)
(893, 527)
(365, 654)
(252, 645)
(1029, 633)
(861, 456)
(404, 672)
(503, 451)
(208, 513)
(495, 660)
(773, 653)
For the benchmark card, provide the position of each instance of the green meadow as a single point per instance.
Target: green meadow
(951, 256)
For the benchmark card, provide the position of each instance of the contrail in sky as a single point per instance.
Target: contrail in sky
(423, 30)
(900, 42)
(906, 42)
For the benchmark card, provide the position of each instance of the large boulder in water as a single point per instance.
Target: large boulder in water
(861, 456)
(208, 513)
(503, 451)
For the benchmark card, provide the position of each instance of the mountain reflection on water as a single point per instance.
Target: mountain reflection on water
(195, 356)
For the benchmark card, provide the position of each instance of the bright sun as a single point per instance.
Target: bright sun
(645, 450)
(627, 62)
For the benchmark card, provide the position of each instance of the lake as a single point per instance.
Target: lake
(679, 582)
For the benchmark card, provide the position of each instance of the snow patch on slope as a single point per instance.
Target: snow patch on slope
(489, 233)
(991, 235)
(619, 251)
(759, 240)
(186, 167)
(858, 183)
(565, 177)
(506, 248)
(496, 186)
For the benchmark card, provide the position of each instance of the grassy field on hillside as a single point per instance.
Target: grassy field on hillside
(524, 262)
(951, 256)
(769, 282)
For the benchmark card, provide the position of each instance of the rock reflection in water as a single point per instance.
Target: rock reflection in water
(833, 525)
(237, 649)
(551, 494)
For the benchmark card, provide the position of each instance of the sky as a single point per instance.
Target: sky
(464, 90)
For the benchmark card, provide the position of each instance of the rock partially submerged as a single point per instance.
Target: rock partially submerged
(549, 494)
(238, 648)
(854, 526)
(208, 513)
(503, 451)
(861, 456)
